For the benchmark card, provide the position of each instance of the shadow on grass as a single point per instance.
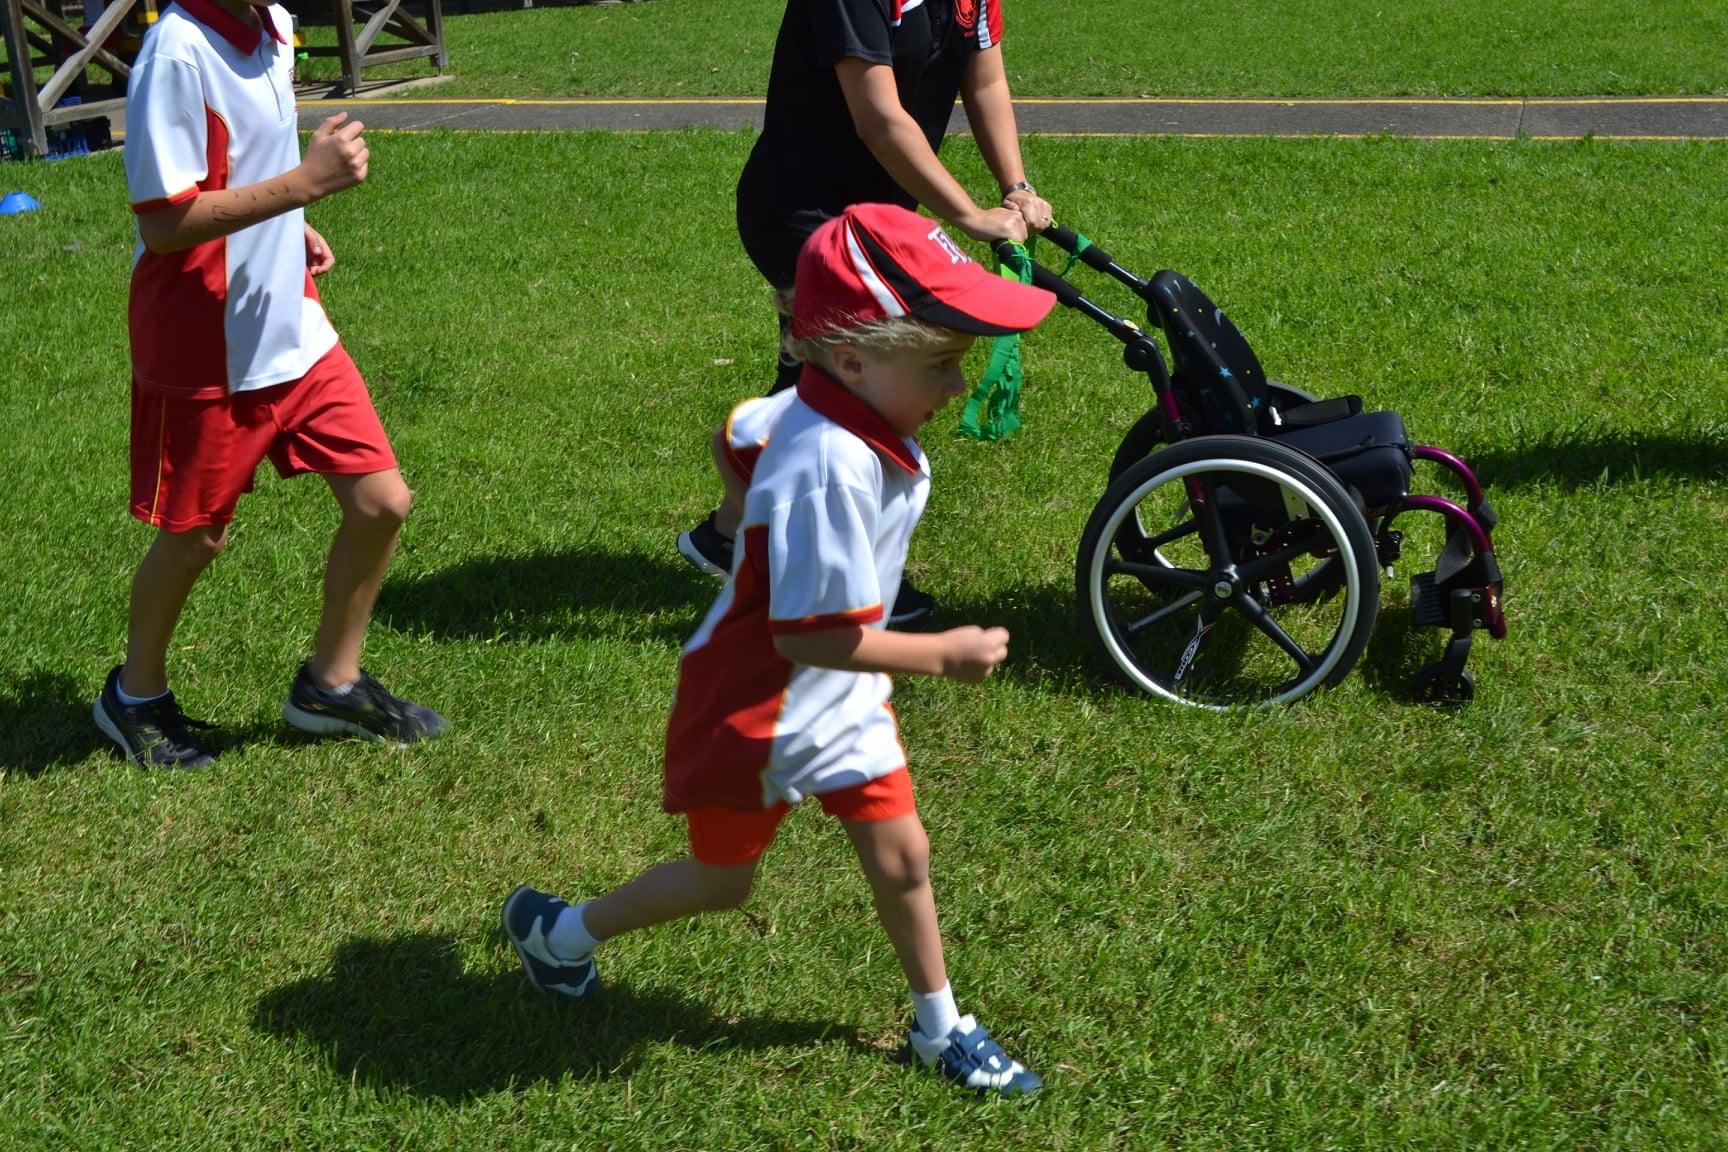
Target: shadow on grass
(45, 721)
(1047, 638)
(1397, 651)
(400, 1014)
(544, 595)
(1585, 459)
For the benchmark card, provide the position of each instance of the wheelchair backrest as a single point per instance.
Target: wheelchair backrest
(1218, 380)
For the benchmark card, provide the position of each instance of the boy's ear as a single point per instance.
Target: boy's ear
(848, 361)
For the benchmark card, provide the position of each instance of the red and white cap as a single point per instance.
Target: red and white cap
(881, 261)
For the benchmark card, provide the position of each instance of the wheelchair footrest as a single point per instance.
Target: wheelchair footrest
(1429, 603)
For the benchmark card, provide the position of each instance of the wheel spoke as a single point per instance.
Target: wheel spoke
(1211, 524)
(1163, 613)
(1159, 574)
(1170, 535)
(1262, 620)
(1261, 567)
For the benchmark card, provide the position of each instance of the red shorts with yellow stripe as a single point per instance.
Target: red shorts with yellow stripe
(193, 459)
(727, 837)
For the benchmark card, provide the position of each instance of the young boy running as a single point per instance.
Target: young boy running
(783, 692)
(234, 360)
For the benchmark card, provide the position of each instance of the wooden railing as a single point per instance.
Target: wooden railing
(30, 111)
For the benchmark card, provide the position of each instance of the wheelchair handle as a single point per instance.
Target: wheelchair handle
(1042, 277)
(1093, 257)
(1071, 297)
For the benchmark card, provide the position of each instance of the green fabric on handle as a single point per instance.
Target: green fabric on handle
(1080, 245)
(993, 410)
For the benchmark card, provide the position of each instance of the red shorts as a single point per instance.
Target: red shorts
(192, 459)
(726, 837)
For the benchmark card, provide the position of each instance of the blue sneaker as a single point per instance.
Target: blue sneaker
(528, 918)
(968, 1056)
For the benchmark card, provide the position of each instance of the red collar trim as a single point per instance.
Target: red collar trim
(230, 27)
(831, 398)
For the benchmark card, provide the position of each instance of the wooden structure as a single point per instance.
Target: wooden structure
(37, 33)
(358, 49)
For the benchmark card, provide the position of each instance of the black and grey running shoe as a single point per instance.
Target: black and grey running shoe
(706, 549)
(366, 709)
(154, 734)
(910, 605)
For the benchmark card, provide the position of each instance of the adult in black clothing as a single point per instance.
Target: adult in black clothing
(859, 97)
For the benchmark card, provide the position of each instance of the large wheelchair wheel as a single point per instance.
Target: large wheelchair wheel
(1146, 437)
(1194, 569)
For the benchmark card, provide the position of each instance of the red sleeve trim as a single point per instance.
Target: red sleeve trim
(158, 205)
(826, 621)
(743, 460)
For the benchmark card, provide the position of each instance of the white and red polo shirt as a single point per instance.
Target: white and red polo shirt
(834, 495)
(211, 106)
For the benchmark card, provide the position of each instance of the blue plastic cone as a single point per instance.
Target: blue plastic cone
(16, 203)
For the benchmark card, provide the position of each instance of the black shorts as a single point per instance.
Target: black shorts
(773, 234)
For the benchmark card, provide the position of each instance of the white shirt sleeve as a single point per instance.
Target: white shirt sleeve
(822, 561)
(166, 135)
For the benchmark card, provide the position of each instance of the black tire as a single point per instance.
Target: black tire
(1434, 686)
(1222, 530)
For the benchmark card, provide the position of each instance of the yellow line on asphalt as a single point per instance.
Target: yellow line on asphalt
(1075, 101)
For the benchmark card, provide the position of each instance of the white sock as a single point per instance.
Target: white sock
(569, 937)
(132, 701)
(936, 1012)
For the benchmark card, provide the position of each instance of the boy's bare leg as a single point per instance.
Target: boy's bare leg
(671, 891)
(730, 512)
(896, 859)
(159, 590)
(373, 509)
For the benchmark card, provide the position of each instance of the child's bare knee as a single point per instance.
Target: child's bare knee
(904, 868)
(384, 504)
(195, 548)
(724, 888)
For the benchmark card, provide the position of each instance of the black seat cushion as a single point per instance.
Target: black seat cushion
(1369, 452)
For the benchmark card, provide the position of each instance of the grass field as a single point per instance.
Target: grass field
(1355, 923)
(1127, 48)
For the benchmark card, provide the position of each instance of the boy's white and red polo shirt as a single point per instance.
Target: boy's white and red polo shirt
(834, 496)
(210, 106)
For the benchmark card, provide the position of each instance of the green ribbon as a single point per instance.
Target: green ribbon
(993, 410)
(1080, 245)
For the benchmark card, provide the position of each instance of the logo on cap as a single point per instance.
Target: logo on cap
(955, 256)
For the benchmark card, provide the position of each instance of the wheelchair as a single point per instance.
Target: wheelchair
(1235, 559)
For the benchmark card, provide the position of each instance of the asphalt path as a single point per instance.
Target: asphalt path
(1610, 118)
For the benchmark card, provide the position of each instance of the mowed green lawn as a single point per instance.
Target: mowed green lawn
(1351, 923)
(1124, 48)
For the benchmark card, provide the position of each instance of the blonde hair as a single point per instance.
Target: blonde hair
(893, 334)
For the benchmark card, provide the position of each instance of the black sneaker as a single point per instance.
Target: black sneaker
(367, 709)
(910, 605)
(706, 549)
(152, 734)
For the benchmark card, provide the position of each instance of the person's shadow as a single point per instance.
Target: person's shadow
(1574, 460)
(544, 595)
(1046, 638)
(400, 1014)
(45, 721)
